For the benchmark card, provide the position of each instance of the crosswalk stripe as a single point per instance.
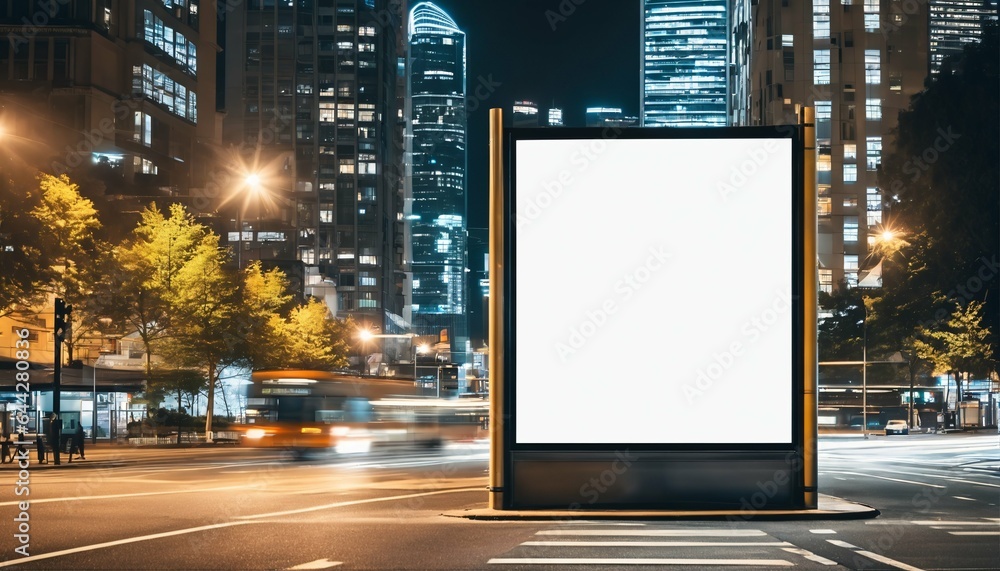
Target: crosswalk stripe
(658, 532)
(810, 555)
(873, 556)
(657, 543)
(318, 564)
(643, 561)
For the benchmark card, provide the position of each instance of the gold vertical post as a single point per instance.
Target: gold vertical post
(810, 362)
(496, 315)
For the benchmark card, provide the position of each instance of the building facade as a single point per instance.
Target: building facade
(121, 93)
(858, 71)
(684, 66)
(313, 110)
(436, 71)
(955, 23)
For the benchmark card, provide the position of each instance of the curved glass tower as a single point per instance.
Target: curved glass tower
(437, 146)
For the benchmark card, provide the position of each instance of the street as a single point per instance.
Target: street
(234, 508)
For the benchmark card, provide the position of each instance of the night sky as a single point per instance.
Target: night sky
(590, 59)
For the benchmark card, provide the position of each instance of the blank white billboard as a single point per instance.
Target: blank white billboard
(653, 282)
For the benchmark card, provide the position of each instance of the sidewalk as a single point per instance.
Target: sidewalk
(829, 508)
(108, 455)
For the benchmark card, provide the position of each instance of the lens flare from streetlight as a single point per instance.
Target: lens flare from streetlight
(253, 181)
(364, 335)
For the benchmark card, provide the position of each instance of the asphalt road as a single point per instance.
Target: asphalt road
(247, 509)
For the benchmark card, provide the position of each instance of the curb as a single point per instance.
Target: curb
(834, 509)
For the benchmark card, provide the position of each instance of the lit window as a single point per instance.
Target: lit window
(826, 281)
(821, 67)
(850, 151)
(787, 40)
(850, 173)
(327, 112)
(824, 163)
(824, 206)
(873, 67)
(850, 262)
(850, 229)
(143, 129)
(874, 199)
(850, 202)
(368, 260)
(871, 15)
(873, 151)
(821, 18)
(823, 110)
(873, 109)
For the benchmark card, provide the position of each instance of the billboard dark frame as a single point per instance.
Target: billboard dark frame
(740, 464)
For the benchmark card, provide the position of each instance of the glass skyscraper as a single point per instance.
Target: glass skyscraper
(436, 74)
(311, 93)
(684, 63)
(956, 23)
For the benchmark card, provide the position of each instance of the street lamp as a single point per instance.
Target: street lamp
(864, 371)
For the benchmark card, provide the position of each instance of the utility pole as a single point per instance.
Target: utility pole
(63, 321)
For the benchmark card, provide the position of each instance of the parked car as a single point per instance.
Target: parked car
(896, 427)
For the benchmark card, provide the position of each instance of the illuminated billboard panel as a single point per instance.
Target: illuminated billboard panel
(653, 283)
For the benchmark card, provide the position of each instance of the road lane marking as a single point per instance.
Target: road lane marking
(891, 479)
(965, 498)
(822, 531)
(355, 503)
(809, 555)
(874, 556)
(134, 495)
(952, 522)
(117, 542)
(645, 561)
(974, 532)
(658, 543)
(318, 564)
(241, 520)
(973, 482)
(658, 532)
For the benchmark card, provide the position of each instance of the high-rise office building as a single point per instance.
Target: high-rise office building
(955, 23)
(311, 96)
(555, 117)
(858, 74)
(524, 114)
(120, 92)
(609, 117)
(436, 69)
(685, 63)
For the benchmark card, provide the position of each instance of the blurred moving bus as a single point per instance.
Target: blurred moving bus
(310, 411)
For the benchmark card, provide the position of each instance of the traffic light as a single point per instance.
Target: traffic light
(64, 318)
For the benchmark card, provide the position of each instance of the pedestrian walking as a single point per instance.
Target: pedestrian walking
(77, 446)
